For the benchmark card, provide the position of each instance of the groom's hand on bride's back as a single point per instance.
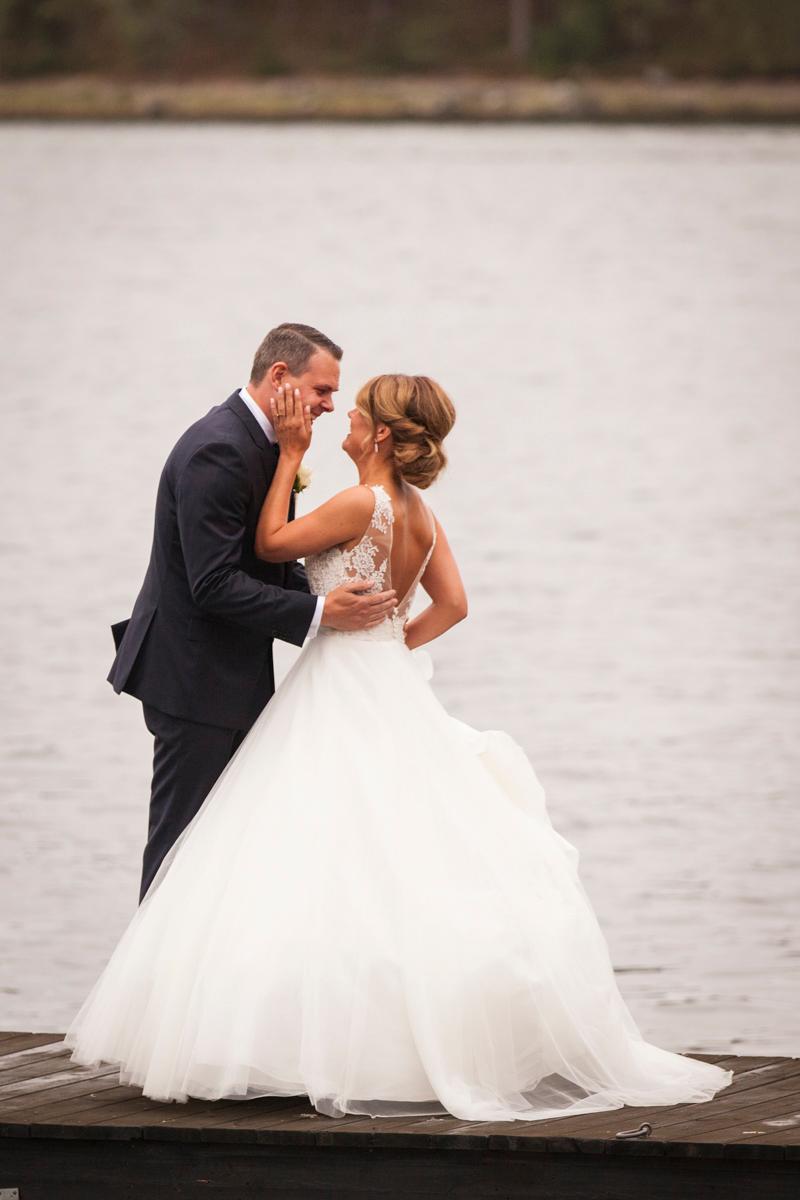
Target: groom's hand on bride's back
(352, 606)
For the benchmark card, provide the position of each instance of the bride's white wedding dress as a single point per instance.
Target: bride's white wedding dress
(372, 908)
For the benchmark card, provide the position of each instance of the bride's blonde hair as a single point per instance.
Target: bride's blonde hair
(419, 414)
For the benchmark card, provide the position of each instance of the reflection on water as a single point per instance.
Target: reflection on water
(614, 312)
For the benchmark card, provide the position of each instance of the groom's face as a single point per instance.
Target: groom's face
(318, 383)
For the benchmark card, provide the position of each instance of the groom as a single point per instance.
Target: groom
(197, 649)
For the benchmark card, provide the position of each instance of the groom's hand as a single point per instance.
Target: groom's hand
(351, 606)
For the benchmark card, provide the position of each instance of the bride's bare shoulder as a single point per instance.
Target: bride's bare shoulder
(358, 499)
(346, 515)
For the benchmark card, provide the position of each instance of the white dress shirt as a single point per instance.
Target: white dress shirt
(269, 433)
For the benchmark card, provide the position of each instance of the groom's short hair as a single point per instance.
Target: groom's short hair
(293, 344)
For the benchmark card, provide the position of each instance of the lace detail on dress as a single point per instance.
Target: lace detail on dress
(369, 560)
(363, 559)
(383, 516)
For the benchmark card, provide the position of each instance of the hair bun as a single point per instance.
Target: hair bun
(420, 460)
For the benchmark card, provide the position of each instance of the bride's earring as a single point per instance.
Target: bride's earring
(375, 444)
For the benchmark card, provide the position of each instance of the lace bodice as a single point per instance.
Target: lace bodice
(369, 559)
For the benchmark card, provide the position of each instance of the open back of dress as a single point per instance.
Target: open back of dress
(371, 560)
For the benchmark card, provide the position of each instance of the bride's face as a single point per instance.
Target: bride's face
(359, 438)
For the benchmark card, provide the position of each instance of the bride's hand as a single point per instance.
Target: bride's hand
(291, 420)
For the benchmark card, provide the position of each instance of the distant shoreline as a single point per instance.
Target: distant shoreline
(403, 98)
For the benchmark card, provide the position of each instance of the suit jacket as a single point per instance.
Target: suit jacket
(198, 644)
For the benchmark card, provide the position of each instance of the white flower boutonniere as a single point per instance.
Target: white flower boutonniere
(301, 480)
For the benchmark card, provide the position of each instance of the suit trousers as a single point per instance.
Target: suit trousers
(188, 758)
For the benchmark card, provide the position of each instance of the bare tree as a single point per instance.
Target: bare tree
(519, 29)
(379, 13)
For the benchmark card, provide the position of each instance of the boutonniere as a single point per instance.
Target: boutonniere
(301, 480)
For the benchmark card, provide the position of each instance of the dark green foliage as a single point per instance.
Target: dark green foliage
(728, 38)
(40, 36)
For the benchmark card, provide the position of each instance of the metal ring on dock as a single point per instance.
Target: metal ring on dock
(644, 1130)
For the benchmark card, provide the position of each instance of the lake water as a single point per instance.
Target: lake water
(615, 313)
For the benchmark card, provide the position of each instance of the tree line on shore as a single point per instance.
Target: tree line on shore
(208, 38)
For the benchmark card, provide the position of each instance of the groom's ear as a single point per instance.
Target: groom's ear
(276, 373)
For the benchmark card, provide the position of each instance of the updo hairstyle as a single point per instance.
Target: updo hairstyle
(419, 414)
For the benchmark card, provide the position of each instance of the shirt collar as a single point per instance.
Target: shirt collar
(260, 416)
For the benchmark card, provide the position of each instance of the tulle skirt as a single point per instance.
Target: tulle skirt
(373, 909)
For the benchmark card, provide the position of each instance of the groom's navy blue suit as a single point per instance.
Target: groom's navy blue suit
(197, 649)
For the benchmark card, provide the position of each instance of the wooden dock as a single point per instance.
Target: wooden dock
(70, 1133)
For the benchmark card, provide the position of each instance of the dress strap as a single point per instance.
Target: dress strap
(432, 546)
(383, 513)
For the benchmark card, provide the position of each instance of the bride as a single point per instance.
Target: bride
(371, 907)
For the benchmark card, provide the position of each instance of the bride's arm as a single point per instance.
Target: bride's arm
(442, 581)
(344, 516)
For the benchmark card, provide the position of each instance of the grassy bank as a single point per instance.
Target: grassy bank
(467, 98)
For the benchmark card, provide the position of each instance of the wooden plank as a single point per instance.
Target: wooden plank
(223, 1126)
(385, 1129)
(201, 1120)
(379, 1126)
(356, 1129)
(729, 1126)
(29, 1102)
(435, 1125)
(736, 1148)
(61, 1107)
(203, 1114)
(21, 1041)
(223, 1119)
(33, 1092)
(312, 1128)
(52, 1035)
(739, 1063)
(228, 1114)
(91, 1111)
(58, 1068)
(791, 1150)
(28, 1057)
(301, 1116)
(91, 1120)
